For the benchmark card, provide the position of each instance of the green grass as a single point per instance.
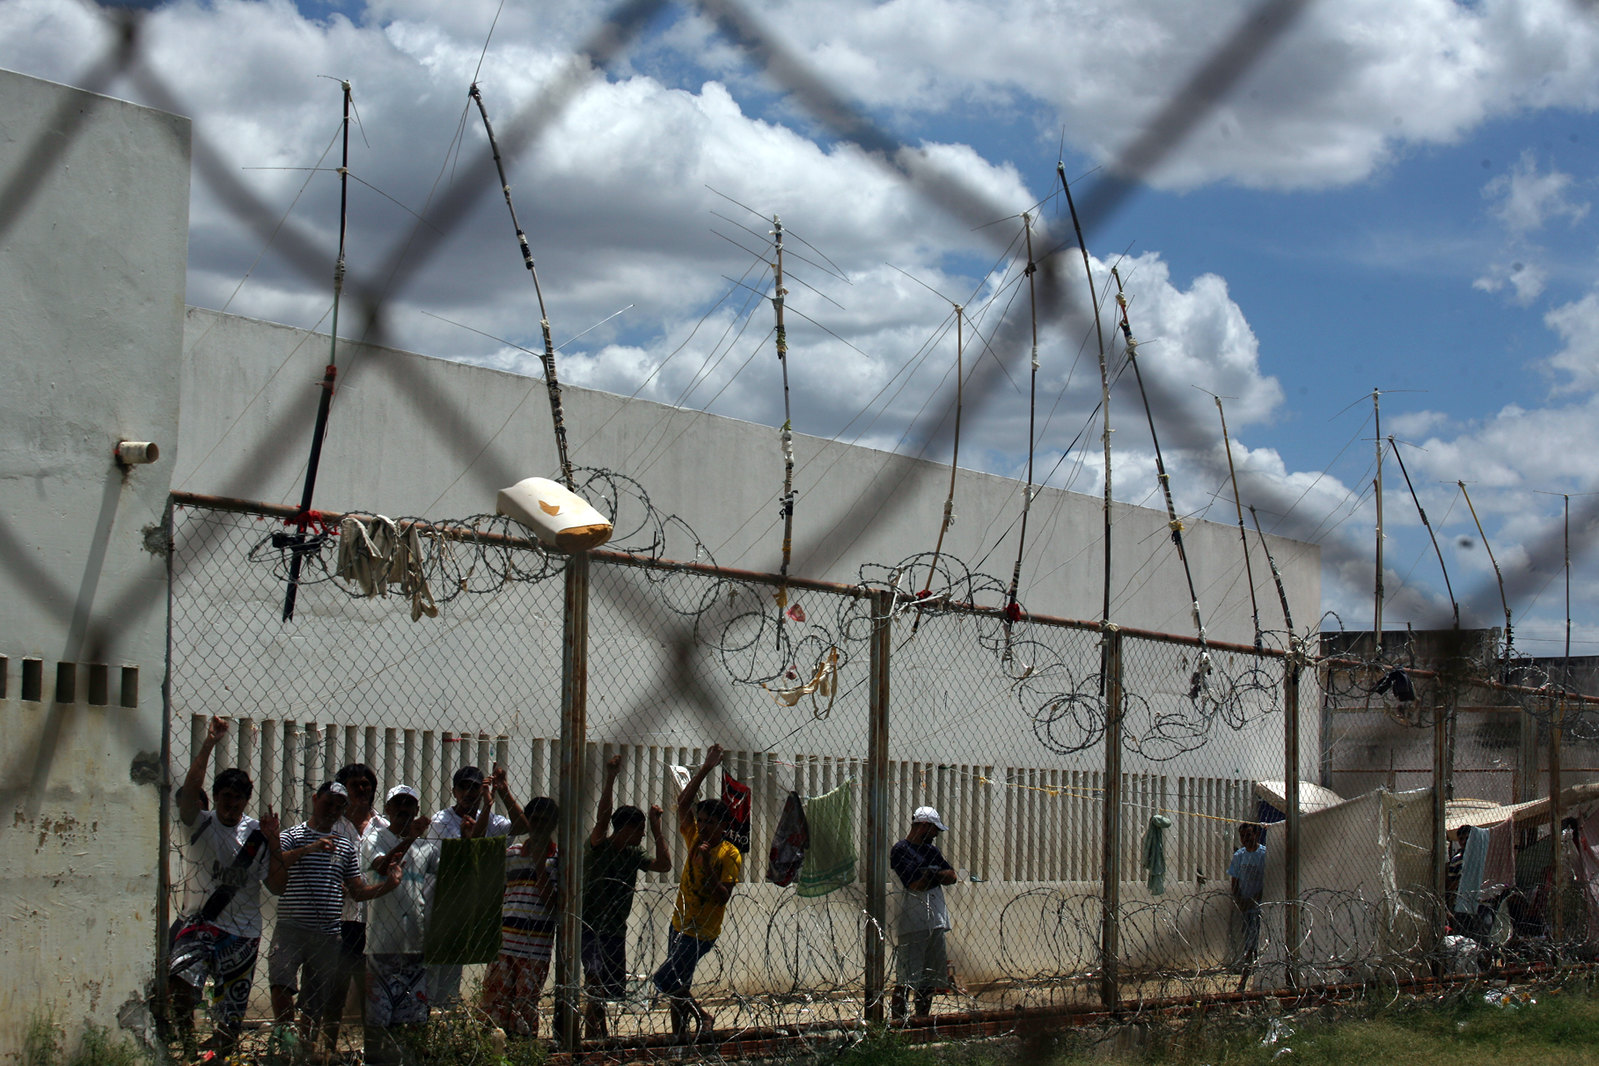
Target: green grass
(1559, 1029)
(98, 1047)
(41, 1042)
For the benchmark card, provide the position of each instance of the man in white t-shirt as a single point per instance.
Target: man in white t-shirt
(472, 814)
(396, 981)
(361, 782)
(219, 938)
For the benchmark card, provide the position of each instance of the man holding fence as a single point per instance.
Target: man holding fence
(710, 873)
(220, 937)
(611, 866)
(472, 814)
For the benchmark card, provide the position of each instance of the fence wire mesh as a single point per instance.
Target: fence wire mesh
(461, 654)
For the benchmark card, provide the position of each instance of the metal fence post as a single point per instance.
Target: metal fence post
(1291, 670)
(877, 841)
(1440, 845)
(1111, 835)
(569, 840)
(1556, 852)
(163, 870)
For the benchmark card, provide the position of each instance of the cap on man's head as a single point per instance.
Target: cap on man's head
(334, 788)
(930, 816)
(467, 777)
(402, 790)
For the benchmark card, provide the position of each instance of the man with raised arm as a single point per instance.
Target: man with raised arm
(316, 871)
(471, 815)
(231, 854)
(710, 873)
(396, 981)
(611, 864)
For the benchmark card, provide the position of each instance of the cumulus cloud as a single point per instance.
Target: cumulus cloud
(1527, 198)
(1336, 95)
(653, 185)
(1577, 326)
(1524, 201)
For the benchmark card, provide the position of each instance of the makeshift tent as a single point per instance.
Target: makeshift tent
(1362, 864)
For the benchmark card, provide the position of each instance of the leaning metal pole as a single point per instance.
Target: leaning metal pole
(1291, 677)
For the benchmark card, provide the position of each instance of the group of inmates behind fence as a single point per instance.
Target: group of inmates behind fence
(359, 903)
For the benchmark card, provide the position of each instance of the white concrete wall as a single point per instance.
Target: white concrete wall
(91, 278)
(408, 433)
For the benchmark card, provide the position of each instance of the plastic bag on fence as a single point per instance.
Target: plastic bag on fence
(464, 924)
(793, 836)
(736, 794)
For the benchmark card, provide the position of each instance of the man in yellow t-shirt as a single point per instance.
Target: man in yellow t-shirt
(710, 872)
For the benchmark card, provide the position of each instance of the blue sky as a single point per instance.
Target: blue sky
(1396, 197)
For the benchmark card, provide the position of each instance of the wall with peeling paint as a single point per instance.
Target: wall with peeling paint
(92, 276)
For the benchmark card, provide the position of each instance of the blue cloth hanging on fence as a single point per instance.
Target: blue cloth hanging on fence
(1155, 852)
(1473, 859)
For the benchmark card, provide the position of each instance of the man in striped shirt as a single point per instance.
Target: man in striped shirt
(514, 980)
(318, 868)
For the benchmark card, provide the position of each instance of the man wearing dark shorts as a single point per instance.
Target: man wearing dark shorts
(317, 869)
(610, 870)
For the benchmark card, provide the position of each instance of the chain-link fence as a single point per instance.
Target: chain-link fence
(1089, 859)
(1483, 770)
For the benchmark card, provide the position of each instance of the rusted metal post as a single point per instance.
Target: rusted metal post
(1111, 826)
(1292, 665)
(1556, 851)
(877, 814)
(569, 789)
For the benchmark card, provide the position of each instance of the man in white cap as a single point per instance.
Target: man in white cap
(396, 992)
(921, 963)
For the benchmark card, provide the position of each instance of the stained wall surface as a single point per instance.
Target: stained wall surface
(92, 264)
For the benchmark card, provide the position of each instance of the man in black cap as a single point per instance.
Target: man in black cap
(318, 867)
(471, 815)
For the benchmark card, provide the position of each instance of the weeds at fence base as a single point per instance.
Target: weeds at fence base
(44, 1043)
(463, 1040)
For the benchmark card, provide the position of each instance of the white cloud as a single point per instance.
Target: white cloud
(1526, 199)
(613, 194)
(1331, 101)
(1577, 325)
(1526, 281)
